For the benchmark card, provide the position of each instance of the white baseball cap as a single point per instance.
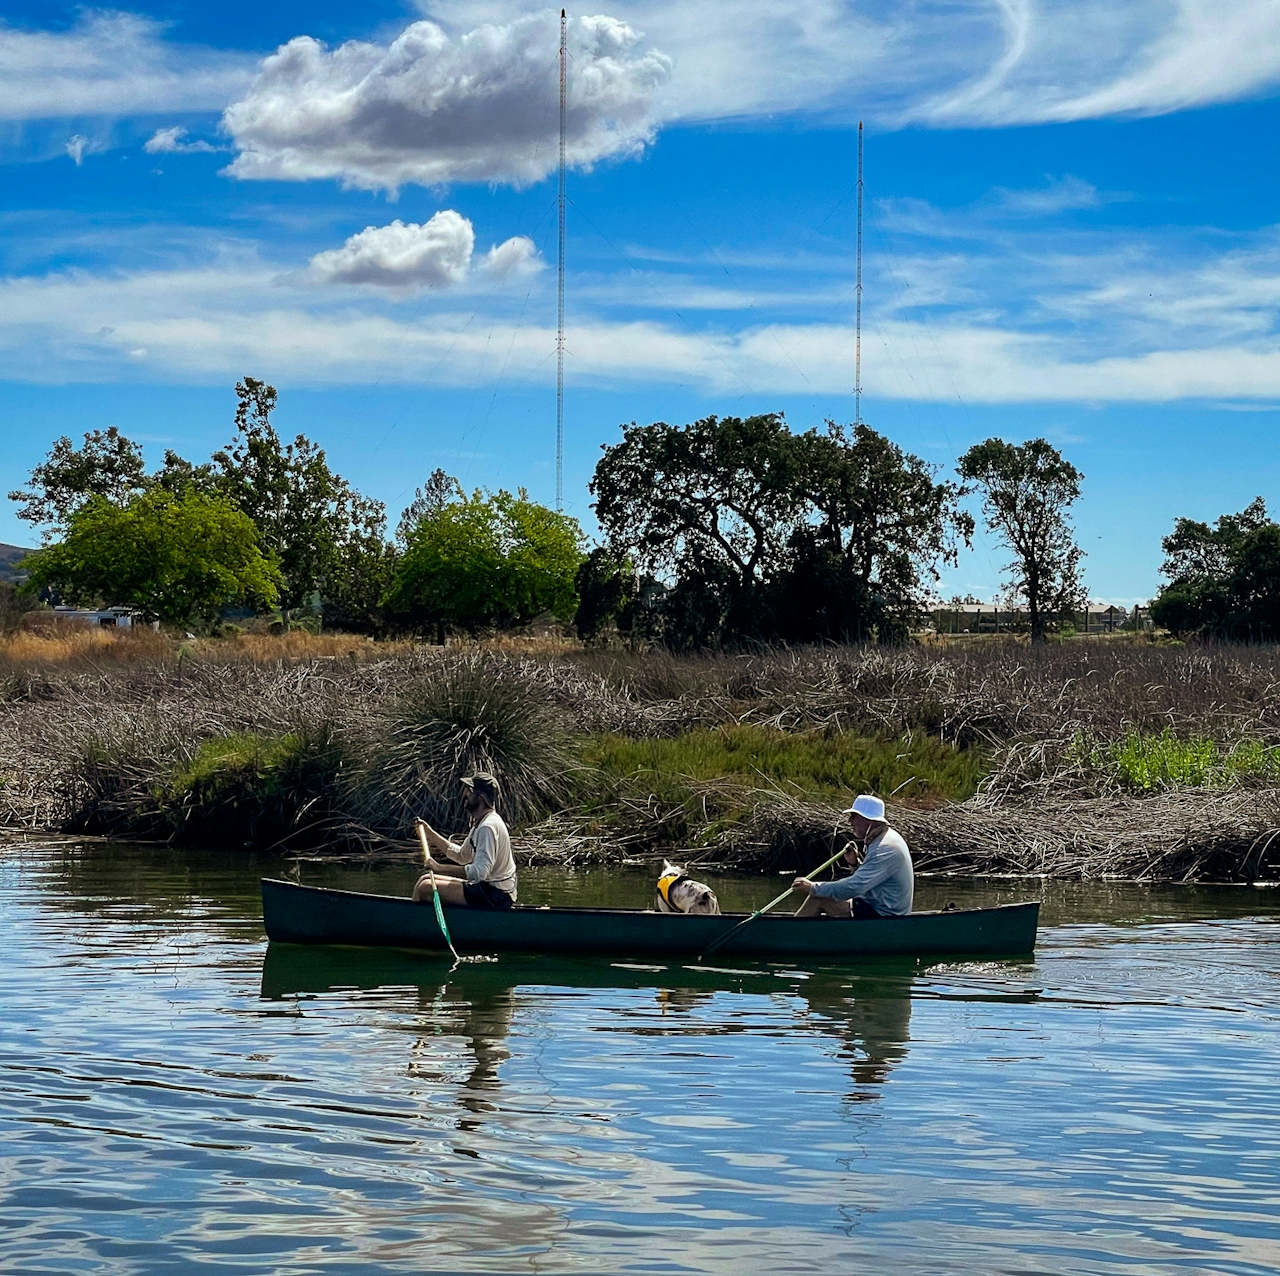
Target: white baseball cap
(869, 807)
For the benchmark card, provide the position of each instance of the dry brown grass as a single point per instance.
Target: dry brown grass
(1191, 835)
(76, 711)
(69, 645)
(298, 644)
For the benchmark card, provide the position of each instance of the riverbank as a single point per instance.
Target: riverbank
(1085, 760)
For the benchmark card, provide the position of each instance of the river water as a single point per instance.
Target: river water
(177, 1097)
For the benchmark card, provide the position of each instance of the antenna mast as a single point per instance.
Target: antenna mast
(560, 279)
(857, 347)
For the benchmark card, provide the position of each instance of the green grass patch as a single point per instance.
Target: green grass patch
(1150, 763)
(817, 765)
(252, 788)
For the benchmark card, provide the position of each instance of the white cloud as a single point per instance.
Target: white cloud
(972, 305)
(516, 256)
(202, 325)
(77, 143)
(173, 141)
(944, 62)
(1058, 195)
(433, 108)
(1086, 59)
(111, 64)
(434, 255)
(471, 96)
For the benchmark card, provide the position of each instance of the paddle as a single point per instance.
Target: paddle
(435, 894)
(746, 921)
(439, 908)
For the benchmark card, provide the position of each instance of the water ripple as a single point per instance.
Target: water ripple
(170, 1101)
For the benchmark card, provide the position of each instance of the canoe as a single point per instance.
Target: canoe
(295, 914)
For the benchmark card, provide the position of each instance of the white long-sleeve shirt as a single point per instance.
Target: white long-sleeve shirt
(486, 856)
(885, 878)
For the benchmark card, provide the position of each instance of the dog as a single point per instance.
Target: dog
(679, 893)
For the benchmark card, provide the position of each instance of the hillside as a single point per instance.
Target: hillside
(10, 556)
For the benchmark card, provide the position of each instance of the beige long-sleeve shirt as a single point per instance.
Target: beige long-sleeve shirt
(486, 856)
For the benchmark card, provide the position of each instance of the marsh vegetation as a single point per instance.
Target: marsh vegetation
(1078, 759)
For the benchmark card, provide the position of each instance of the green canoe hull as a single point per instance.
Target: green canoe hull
(296, 914)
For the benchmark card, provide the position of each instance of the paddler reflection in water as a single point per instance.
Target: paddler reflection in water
(489, 871)
(884, 883)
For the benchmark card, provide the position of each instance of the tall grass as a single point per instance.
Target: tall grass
(81, 643)
(456, 718)
(247, 789)
(824, 764)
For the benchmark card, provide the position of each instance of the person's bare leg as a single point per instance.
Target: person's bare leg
(450, 889)
(817, 906)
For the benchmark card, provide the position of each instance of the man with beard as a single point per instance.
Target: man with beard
(489, 879)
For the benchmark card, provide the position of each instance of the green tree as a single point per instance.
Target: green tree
(491, 561)
(438, 491)
(1224, 579)
(606, 586)
(179, 475)
(360, 575)
(877, 526)
(177, 558)
(714, 501)
(107, 465)
(303, 511)
(759, 532)
(1027, 490)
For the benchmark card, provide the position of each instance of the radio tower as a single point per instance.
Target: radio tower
(564, 55)
(857, 340)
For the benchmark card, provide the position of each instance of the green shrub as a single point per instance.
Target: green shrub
(697, 783)
(1150, 762)
(253, 789)
(824, 764)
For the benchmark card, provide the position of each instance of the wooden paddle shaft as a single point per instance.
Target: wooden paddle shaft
(746, 921)
(435, 893)
(773, 903)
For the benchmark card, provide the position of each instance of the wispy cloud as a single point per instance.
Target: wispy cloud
(945, 63)
(111, 64)
(1086, 59)
(173, 141)
(470, 95)
(1119, 346)
(1057, 195)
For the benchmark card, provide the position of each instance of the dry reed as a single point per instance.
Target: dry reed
(88, 727)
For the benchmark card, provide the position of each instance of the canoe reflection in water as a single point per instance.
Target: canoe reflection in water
(866, 1013)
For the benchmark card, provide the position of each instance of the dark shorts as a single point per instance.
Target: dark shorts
(862, 911)
(485, 895)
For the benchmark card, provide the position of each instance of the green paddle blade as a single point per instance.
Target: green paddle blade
(444, 929)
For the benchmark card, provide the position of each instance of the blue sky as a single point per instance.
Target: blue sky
(1071, 232)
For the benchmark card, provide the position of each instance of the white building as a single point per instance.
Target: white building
(106, 618)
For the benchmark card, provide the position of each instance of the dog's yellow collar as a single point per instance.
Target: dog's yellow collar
(668, 880)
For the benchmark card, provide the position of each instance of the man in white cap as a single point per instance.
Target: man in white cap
(884, 883)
